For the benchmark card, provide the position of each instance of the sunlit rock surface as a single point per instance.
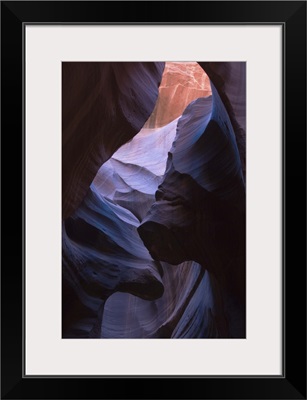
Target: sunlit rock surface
(181, 84)
(132, 175)
(103, 106)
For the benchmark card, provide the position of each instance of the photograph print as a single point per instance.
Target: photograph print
(154, 200)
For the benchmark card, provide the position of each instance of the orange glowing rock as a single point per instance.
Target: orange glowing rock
(182, 82)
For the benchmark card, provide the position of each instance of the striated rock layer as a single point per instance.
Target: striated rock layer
(229, 79)
(102, 251)
(199, 213)
(190, 307)
(103, 106)
(102, 254)
(132, 175)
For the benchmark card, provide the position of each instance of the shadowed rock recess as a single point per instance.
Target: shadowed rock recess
(153, 177)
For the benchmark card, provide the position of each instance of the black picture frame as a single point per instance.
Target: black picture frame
(292, 16)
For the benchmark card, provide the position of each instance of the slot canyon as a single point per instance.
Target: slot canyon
(153, 200)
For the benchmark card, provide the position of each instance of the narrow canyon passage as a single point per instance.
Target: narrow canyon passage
(156, 247)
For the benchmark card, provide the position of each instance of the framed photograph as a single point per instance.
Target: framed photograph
(161, 153)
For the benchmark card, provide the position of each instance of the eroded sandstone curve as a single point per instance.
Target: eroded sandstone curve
(104, 104)
(191, 307)
(229, 79)
(199, 212)
(102, 254)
